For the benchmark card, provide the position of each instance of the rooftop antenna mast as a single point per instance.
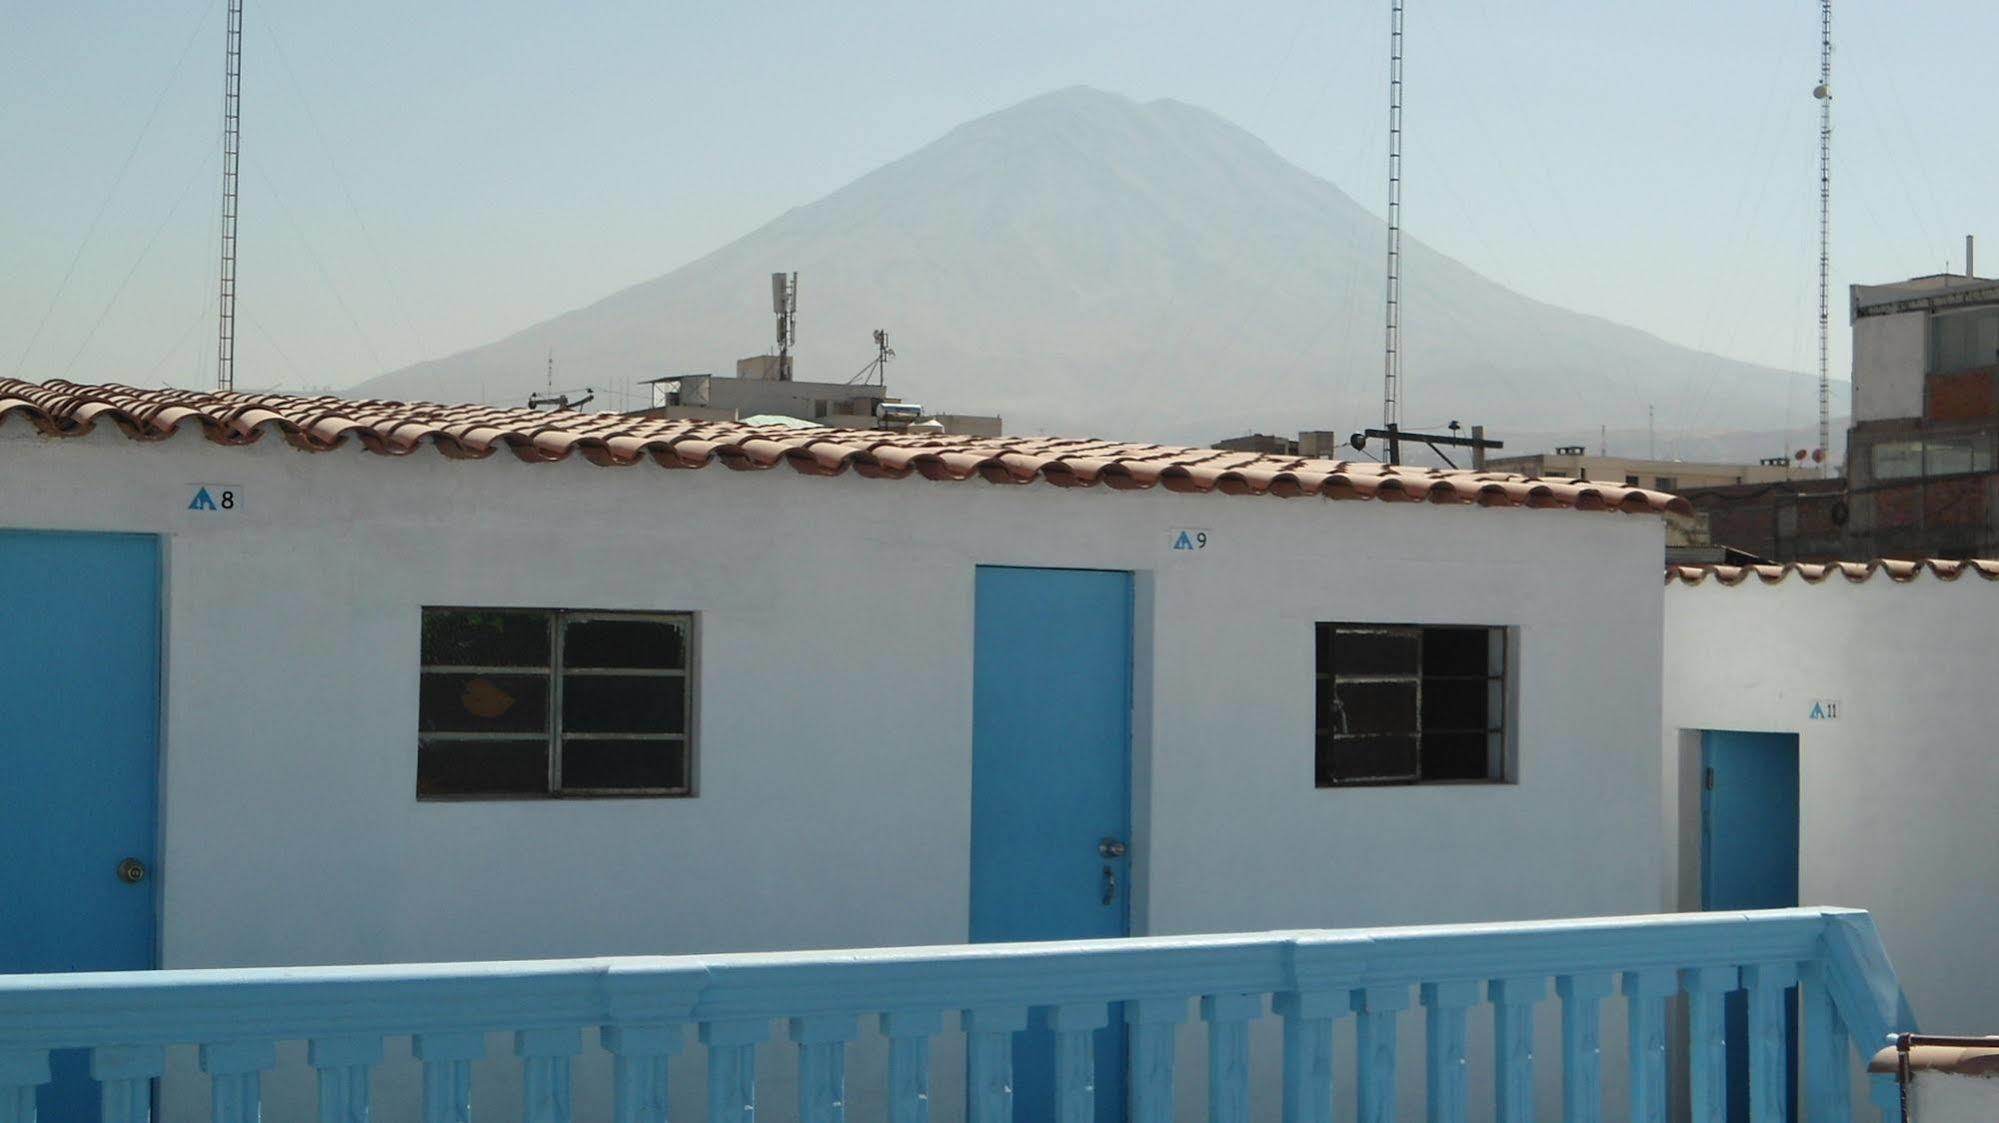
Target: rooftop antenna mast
(1391, 359)
(232, 102)
(1823, 92)
(784, 302)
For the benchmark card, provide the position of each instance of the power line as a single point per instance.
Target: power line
(110, 193)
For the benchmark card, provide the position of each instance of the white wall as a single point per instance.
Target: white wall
(1889, 356)
(835, 702)
(1896, 795)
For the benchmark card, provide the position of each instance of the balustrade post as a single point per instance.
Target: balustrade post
(233, 1068)
(1582, 1044)
(822, 1066)
(732, 1068)
(544, 1055)
(21, 1072)
(447, 1073)
(344, 1067)
(1155, 1023)
(1645, 994)
(638, 1068)
(1074, 1027)
(1513, 1002)
(989, 1060)
(1769, 1060)
(1825, 1080)
(127, 1073)
(1444, 1079)
(1228, 1018)
(1374, 1046)
(1308, 1052)
(1707, 1040)
(909, 1033)
(1886, 1093)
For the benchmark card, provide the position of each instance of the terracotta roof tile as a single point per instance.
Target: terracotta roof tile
(1813, 573)
(470, 432)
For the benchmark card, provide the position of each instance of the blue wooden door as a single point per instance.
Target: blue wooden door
(1051, 786)
(1749, 860)
(79, 718)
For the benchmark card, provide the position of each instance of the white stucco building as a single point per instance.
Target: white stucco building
(830, 626)
(1854, 704)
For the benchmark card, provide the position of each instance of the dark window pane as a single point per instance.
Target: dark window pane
(617, 704)
(465, 703)
(650, 644)
(1455, 704)
(1456, 756)
(624, 765)
(1373, 707)
(1457, 651)
(1349, 759)
(481, 768)
(477, 637)
(1375, 651)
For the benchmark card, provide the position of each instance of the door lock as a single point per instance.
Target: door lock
(131, 871)
(1110, 848)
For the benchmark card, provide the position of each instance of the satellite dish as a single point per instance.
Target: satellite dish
(1358, 440)
(1822, 91)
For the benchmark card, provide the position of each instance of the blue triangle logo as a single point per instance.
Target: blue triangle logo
(1818, 712)
(202, 501)
(1183, 542)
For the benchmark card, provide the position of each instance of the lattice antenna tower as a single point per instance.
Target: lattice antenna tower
(232, 143)
(1391, 357)
(1823, 92)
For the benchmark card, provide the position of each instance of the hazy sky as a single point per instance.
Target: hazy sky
(421, 178)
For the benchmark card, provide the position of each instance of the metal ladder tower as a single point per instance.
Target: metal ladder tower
(1823, 93)
(232, 99)
(1391, 358)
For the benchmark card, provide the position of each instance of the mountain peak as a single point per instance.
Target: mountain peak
(1086, 262)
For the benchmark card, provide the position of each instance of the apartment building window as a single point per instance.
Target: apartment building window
(533, 703)
(1964, 340)
(1408, 704)
(1931, 456)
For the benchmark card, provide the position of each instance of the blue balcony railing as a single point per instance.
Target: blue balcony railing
(896, 1002)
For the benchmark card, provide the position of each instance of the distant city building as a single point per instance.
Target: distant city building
(1920, 455)
(762, 388)
(1573, 462)
(1268, 444)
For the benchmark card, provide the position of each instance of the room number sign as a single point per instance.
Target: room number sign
(219, 498)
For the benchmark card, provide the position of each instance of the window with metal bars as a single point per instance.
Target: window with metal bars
(1410, 704)
(524, 703)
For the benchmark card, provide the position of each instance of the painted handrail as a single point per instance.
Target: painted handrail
(639, 1008)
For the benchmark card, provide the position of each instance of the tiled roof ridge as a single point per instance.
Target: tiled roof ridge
(1814, 573)
(393, 428)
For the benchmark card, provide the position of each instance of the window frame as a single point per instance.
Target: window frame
(556, 736)
(1502, 755)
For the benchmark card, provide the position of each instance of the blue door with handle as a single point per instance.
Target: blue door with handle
(79, 745)
(1051, 787)
(1749, 860)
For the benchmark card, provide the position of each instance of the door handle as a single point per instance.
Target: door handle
(131, 871)
(1110, 885)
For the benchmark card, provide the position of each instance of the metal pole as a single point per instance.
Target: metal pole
(1824, 94)
(1391, 360)
(232, 96)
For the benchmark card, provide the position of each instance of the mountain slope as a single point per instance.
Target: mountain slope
(1083, 263)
